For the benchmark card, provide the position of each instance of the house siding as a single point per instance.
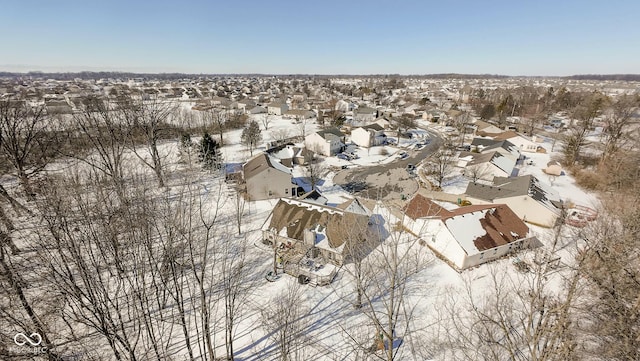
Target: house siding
(268, 184)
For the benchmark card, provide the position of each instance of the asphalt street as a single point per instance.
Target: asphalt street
(387, 181)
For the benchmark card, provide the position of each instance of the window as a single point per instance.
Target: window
(286, 191)
(270, 193)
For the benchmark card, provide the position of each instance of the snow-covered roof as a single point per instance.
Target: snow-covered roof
(483, 227)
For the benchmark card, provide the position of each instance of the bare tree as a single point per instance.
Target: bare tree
(102, 132)
(148, 120)
(440, 165)
(585, 113)
(618, 121)
(284, 318)
(281, 134)
(384, 293)
(236, 272)
(266, 119)
(476, 172)
(610, 306)
(25, 141)
(519, 317)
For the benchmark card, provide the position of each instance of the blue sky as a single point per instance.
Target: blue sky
(525, 37)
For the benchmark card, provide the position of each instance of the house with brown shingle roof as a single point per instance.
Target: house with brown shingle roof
(468, 236)
(314, 230)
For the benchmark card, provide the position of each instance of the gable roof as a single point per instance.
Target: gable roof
(504, 144)
(420, 206)
(506, 135)
(261, 162)
(334, 131)
(483, 227)
(373, 126)
(293, 217)
(517, 186)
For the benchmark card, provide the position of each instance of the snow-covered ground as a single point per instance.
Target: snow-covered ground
(329, 321)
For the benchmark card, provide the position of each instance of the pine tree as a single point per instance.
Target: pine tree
(209, 152)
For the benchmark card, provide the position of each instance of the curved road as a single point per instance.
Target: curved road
(387, 181)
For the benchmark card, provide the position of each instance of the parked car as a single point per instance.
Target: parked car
(342, 156)
(403, 155)
(411, 167)
(465, 147)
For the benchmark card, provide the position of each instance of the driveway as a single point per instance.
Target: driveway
(386, 181)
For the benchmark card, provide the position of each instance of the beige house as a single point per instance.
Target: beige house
(532, 200)
(266, 178)
(328, 142)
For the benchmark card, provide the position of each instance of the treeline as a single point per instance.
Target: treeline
(90, 75)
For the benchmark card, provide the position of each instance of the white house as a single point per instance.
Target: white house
(486, 166)
(326, 142)
(525, 144)
(266, 178)
(532, 200)
(471, 235)
(368, 136)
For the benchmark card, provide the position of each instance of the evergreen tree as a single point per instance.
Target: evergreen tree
(209, 152)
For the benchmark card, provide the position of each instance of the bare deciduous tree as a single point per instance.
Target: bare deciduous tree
(440, 165)
(148, 119)
(284, 317)
(25, 141)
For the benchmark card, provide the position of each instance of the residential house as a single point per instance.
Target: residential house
(486, 129)
(266, 178)
(305, 233)
(383, 122)
(277, 108)
(532, 200)
(468, 236)
(256, 110)
(525, 144)
(364, 115)
(245, 105)
(488, 165)
(368, 136)
(299, 114)
(290, 155)
(504, 147)
(326, 142)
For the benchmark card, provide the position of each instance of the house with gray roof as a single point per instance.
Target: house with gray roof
(364, 115)
(486, 166)
(532, 200)
(327, 142)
